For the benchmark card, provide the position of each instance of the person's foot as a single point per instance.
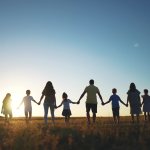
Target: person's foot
(88, 123)
(132, 122)
(8, 121)
(145, 121)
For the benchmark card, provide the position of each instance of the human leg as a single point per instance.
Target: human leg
(68, 118)
(88, 116)
(145, 116)
(30, 114)
(10, 116)
(148, 116)
(94, 117)
(6, 118)
(137, 118)
(52, 112)
(114, 114)
(114, 119)
(118, 118)
(45, 113)
(94, 110)
(88, 112)
(132, 116)
(26, 114)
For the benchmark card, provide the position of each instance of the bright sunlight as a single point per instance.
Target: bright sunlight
(16, 100)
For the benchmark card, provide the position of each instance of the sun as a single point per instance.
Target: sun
(16, 100)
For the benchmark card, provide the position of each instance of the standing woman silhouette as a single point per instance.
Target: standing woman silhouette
(135, 102)
(50, 100)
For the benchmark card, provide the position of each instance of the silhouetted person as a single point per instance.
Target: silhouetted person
(115, 104)
(91, 100)
(27, 105)
(6, 108)
(66, 110)
(135, 102)
(146, 105)
(50, 100)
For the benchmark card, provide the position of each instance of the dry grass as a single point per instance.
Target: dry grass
(77, 135)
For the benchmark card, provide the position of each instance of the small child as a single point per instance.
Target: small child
(115, 104)
(146, 106)
(6, 107)
(66, 111)
(27, 105)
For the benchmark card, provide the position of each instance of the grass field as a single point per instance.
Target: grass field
(77, 135)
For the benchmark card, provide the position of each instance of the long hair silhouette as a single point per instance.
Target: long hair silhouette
(49, 89)
(64, 95)
(6, 100)
(132, 87)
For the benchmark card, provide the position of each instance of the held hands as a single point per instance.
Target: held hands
(126, 105)
(78, 102)
(103, 103)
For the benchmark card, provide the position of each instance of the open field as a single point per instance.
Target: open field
(77, 135)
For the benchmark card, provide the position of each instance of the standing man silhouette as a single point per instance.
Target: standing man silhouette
(91, 100)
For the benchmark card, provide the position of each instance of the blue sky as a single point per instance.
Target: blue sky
(69, 43)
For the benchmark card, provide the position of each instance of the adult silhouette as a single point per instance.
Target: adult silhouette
(50, 100)
(135, 102)
(91, 100)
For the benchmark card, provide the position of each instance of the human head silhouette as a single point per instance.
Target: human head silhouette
(114, 91)
(28, 92)
(145, 91)
(91, 82)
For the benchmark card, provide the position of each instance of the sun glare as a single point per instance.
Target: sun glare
(16, 100)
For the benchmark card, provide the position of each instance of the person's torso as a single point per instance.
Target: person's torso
(49, 98)
(146, 98)
(7, 103)
(27, 101)
(115, 101)
(66, 104)
(91, 94)
(134, 97)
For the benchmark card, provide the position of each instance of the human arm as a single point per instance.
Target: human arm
(58, 106)
(20, 104)
(34, 101)
(2, 109)
(127, 100)
(107, 102)
(140, 101)
(41, 99)
(100, 97)
(81, 97)
(123, 103)
(54, 100)
(74, 102)
(143, 101)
